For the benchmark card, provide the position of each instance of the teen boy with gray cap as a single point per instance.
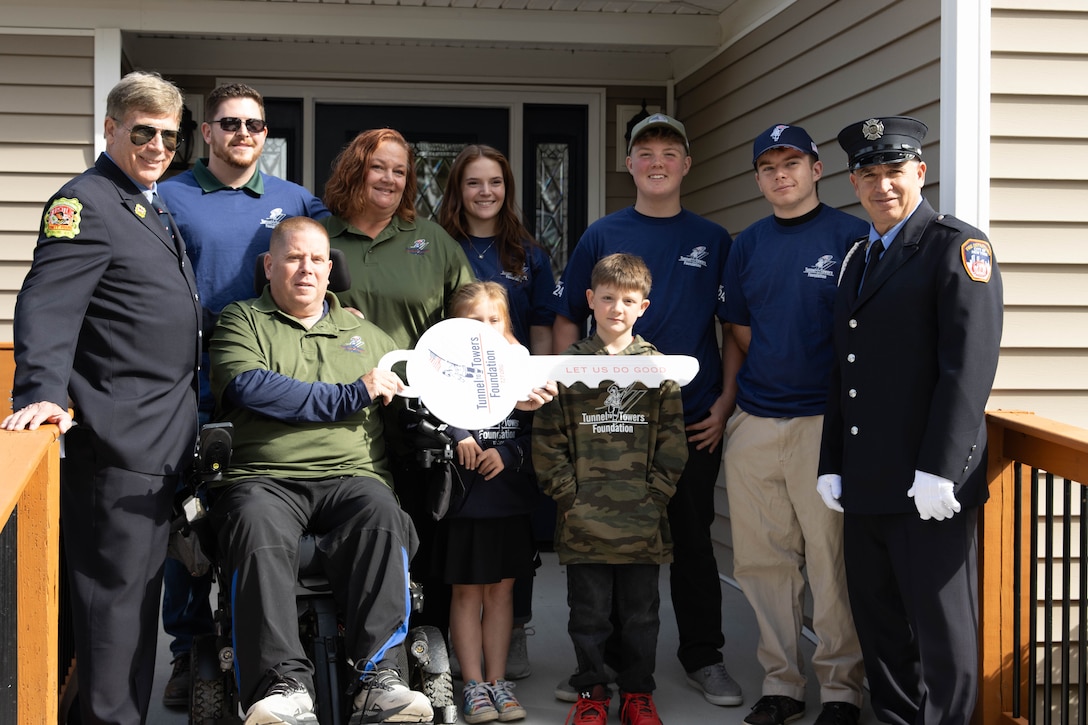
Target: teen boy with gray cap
(686, 255)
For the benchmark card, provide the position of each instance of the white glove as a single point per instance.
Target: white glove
(933, 497)
(829, 486)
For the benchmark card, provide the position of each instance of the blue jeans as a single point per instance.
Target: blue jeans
(186, 608)
(629, 592)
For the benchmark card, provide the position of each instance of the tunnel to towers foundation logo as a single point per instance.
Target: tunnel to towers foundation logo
(613, 416)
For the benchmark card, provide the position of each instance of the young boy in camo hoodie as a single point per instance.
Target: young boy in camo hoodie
(611, 457)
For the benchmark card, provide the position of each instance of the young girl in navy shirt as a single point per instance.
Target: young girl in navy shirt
(486, 539)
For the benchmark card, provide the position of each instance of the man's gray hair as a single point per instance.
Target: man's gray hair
(146, 92)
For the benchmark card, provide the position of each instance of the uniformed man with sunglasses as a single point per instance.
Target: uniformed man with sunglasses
(108, 322)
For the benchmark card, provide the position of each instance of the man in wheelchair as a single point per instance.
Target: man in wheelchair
(294, 373)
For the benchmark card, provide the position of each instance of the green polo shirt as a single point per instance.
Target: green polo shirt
(340, 348)
(401, 280)
(208, 182)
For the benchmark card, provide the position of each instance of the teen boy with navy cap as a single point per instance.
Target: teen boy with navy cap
(783, 136)
(780, 282)
(917, 334)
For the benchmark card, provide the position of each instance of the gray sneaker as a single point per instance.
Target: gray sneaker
(383, 696)
(717, 686)
(517, 659)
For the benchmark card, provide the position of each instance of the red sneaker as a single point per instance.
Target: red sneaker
(591, 708)
(637, 708)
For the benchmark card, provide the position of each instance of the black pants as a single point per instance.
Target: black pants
(115, 525)
(914, 592)
(412, 484)
(693, 576)
(621, 602)
(364, 542)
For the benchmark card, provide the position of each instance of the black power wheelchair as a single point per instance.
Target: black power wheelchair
(213, 696)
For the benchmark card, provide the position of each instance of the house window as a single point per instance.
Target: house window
(552, 195)
(433, 162)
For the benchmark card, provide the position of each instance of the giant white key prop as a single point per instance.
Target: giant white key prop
(468, 375)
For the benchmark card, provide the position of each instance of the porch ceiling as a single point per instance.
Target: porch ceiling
(620, 41)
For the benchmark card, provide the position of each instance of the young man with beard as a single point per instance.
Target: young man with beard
(226, 208)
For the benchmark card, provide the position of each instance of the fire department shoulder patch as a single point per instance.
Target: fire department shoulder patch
(62, 218)
(978, 259)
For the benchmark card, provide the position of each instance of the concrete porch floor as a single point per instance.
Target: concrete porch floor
(552, 659)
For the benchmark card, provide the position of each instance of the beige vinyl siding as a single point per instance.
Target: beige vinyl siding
(46, 136)
(1039, 223)
(1039, 203)
(821, 64)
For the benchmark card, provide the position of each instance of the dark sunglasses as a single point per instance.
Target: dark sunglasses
(232, 124)
(141, 134)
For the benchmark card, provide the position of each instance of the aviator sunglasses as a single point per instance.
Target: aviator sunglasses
(232, 124)
(141, 134)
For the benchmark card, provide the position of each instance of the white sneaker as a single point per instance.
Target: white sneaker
(385, 697)
(286, 702)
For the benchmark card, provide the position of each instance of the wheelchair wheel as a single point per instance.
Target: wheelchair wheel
(431, 671)
(207, 703)
(209, 700)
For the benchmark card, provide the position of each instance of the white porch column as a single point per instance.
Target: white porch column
(965, 110)
(107, 71)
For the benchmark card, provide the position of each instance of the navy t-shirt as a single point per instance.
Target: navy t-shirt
(781, 280)
(686, 255)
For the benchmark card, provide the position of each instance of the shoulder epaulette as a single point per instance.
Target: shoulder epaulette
(952, 222)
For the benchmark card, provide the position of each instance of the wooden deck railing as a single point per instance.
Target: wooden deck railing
(30, 486)
(1021, 446)
(1027, 554)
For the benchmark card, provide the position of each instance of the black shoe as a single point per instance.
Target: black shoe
(176, 692)
(775, 710)
(838, 713)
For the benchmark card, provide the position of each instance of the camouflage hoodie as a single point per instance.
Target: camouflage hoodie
(611, 457)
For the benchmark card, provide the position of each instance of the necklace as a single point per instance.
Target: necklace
(478, 253)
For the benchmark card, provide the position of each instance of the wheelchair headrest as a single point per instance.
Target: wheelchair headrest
(339, 278)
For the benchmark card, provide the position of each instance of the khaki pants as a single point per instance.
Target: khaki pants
(781, 528)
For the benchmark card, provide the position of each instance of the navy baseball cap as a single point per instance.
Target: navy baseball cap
(888, 140)
(783, 136)
(657, 120)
